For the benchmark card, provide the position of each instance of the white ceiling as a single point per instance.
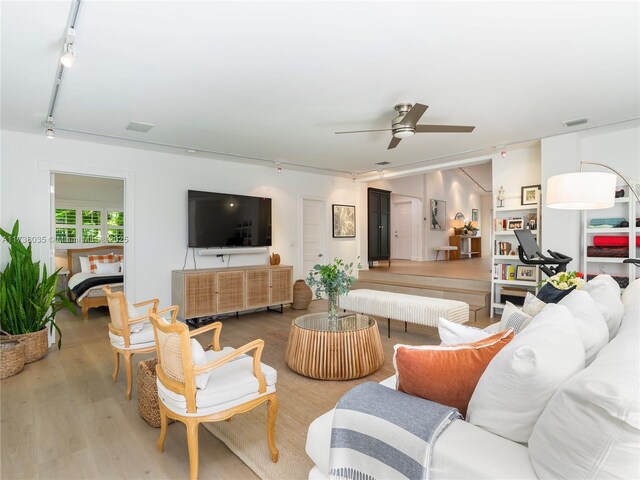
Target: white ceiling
(274, 80)
(89, 189)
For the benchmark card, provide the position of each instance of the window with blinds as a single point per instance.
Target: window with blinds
(79, 225)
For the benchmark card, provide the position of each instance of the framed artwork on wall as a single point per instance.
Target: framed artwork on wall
(475, 214)
(516, 223)
(530, 195)
(438, 215)
(344, 221)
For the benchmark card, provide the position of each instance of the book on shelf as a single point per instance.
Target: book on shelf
(504, 271)
(503, 248)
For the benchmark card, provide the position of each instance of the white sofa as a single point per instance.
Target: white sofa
(589, 429)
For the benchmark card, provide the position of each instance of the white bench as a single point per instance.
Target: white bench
(407, 308)
(447, 249)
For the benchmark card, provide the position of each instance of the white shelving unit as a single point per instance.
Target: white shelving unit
(628, 208)
(497, 284)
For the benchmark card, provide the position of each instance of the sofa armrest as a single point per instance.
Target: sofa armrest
(463, 451)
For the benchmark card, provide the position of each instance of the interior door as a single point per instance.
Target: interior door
(374, 225)
(313, 234)
(402, 234)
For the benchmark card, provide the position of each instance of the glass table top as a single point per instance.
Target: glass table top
(346, 322)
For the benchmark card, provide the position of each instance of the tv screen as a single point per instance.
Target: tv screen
(223, 220)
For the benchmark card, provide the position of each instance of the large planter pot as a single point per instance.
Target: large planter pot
(36, 344)
(301, 295)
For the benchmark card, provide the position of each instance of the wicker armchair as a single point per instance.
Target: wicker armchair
(123, 340)
(237, 383)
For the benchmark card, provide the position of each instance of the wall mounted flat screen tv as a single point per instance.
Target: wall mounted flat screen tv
(224, 220)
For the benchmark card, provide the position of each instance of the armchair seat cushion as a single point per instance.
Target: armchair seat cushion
(229, 385)
(142, 339)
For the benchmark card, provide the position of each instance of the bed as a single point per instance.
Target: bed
(86, 288)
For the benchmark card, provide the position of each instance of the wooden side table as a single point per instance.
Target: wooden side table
(343, 349)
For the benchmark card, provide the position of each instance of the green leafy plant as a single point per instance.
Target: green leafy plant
(28, 298)
(333, 280)
(470, 226)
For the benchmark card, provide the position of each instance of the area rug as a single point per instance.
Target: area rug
(301, 400)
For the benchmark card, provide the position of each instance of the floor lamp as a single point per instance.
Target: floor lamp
(586, 191)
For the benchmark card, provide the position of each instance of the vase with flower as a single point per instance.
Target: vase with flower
(333, 279)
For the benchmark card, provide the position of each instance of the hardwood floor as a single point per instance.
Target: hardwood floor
(63, 417)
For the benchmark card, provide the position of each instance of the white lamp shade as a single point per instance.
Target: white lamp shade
(581, 191)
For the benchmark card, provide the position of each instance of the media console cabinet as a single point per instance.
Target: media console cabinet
(213, 291)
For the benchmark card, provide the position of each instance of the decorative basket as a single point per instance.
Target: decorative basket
(148, 406)
(11, 357)
(301, 295)
(36, 344)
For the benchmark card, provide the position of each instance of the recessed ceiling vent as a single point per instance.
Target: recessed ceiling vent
(382, 163)
(576, 122)
(140, 126)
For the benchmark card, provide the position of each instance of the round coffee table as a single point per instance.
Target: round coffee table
(343, 349)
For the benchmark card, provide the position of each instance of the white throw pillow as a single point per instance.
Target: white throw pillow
(199, 358)
(606, 293)
(107, 268)
(85, 266)
(134, 312)
(591, 426)
(513, 317)
(631, 296)
(518, 383)
(532, 305)
(589, 321)
(453, 333)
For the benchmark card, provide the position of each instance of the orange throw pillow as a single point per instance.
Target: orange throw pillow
(446, 374)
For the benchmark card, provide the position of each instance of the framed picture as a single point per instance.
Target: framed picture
(530, 195)
(475, 214)
(516, 223)
(526, 272)
(438, 215)
(344, 221)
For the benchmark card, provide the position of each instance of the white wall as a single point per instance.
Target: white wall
(457, 190)
(617, 146)
(83, 190)
(486, 224)
(160, 184)
(520, 168)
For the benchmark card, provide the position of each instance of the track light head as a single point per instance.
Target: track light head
(68, 59)
(278, 168)
(49, 133)
(503, 154)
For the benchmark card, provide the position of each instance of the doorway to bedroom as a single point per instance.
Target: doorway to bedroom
(88, 226)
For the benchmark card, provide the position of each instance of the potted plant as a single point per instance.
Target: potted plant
(333, 279)
(28, 298)
(470, 228)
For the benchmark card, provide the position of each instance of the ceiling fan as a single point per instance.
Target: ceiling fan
(405, 124)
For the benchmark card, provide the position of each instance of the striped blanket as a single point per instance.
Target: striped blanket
(381, 433)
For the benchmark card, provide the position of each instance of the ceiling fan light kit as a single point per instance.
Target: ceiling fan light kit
(405, 124)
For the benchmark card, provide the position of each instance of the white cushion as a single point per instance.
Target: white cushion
(606, 293)
(107, 268)
(493, 328)
(591, 427)
(631, 296)
(229, 385)
(85, 267)
(590, 322)
(532, 305)
(134, 312)
(513, 317)
(517, 384)
(453, 333)
(199, 357)
(142, 339)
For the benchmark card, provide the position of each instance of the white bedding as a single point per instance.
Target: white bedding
(77, 278)
(96, 291)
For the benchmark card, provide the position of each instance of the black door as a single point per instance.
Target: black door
(379, 216)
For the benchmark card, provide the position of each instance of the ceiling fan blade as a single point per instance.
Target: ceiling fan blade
(414, 114)
(443, 128)
(365, 131)
(394, 143)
